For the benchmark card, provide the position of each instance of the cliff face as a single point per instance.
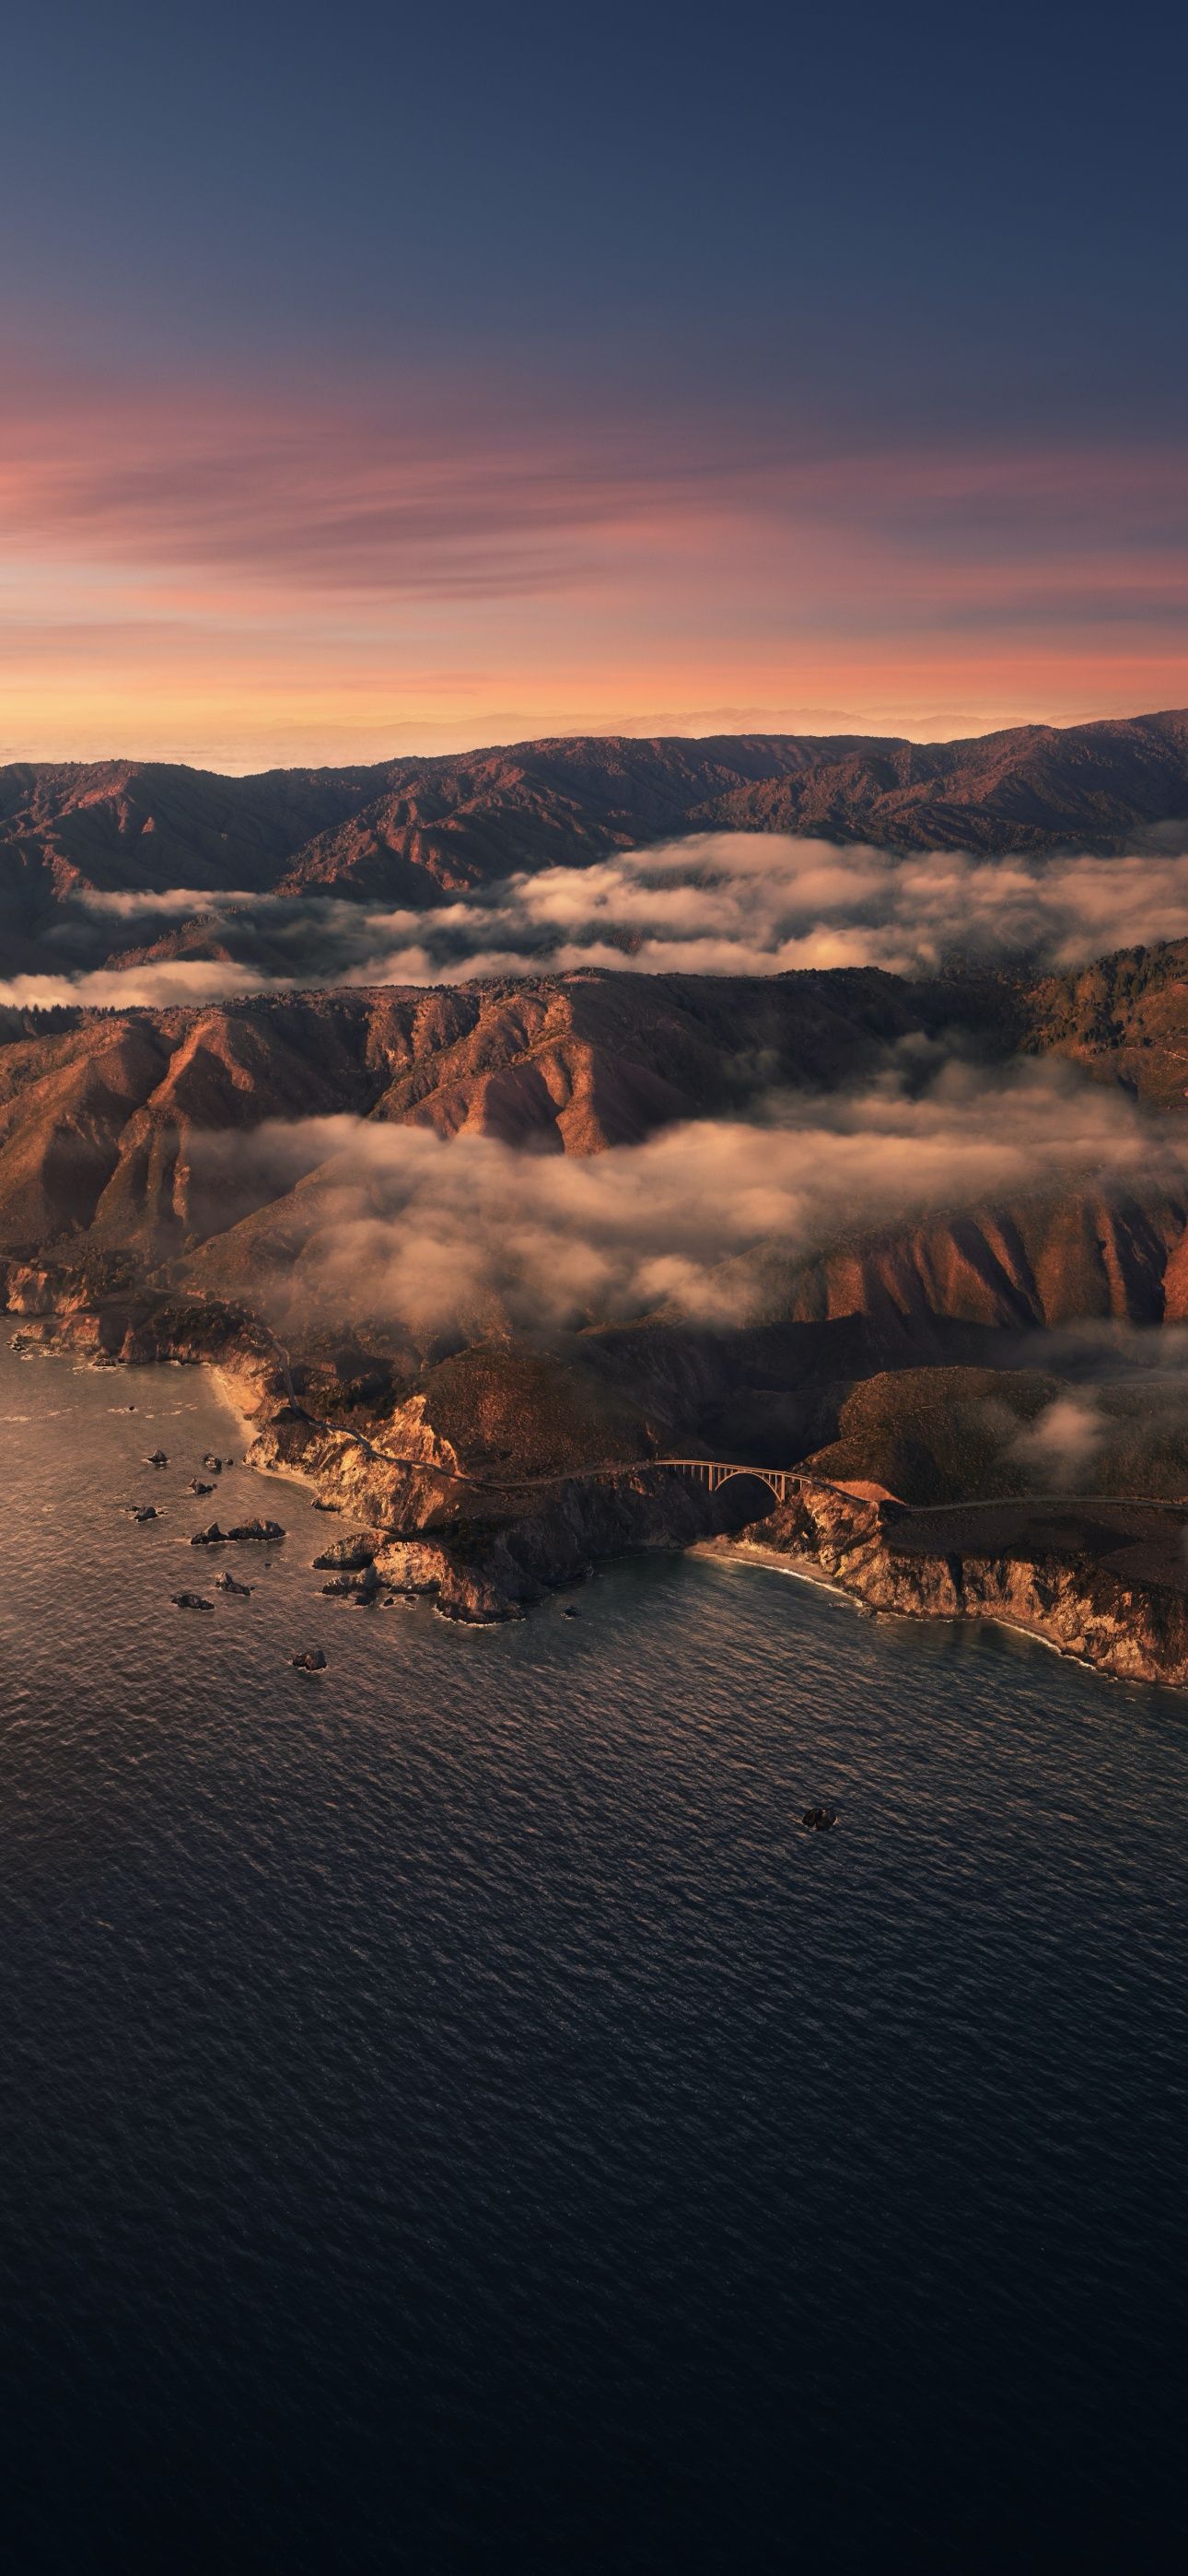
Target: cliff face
(484, 1551)
(1106, 1582)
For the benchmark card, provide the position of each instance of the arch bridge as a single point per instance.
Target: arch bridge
(713, 1472)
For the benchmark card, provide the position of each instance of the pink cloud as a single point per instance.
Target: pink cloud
(304, 493)
(278, 572)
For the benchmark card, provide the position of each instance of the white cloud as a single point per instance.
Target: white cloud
(1061, 1444)
(396, 1222)
(159, 987)
(751, 903)
(173, 902)
(722, 903)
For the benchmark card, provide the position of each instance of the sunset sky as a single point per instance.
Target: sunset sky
(380, 380)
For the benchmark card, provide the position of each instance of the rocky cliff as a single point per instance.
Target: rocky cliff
(1106, 1582)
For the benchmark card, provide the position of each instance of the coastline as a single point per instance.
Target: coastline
(224, 1383)
(742, 1550)
(745, 1551)
(1101, 1582)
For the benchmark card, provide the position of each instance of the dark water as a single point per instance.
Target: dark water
(453, 2117)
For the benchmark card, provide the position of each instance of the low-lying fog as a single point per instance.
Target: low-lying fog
(384, 1220)
(723, 903)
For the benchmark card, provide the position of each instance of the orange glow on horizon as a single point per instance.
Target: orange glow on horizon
(215, 714)
(235, 581)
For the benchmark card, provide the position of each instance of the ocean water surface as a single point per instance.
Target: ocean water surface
(453, 2116)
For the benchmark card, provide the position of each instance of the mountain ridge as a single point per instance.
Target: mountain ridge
(417, 831)
(105, 1116)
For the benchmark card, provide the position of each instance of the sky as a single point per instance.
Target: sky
(381, 380)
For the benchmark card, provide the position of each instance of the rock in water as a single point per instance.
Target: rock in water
(197, 1486)
(227, 1583)
(191, 1601)
(819, 1820)
(157, 1458)
(268, 1530)
(212, 1537)
(365, 1587)
(312, 1661)
(348, 1555)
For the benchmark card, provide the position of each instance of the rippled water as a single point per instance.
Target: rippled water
(452, 2116)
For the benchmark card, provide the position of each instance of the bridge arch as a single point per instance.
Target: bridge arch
(772, 1477)
(713, 1473)
(746, 1494)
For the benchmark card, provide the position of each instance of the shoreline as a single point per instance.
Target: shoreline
(222, 1382)
(1106, 1597)
(1103, 1585)
(803, 1569)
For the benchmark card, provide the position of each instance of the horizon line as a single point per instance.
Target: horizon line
(594, 733)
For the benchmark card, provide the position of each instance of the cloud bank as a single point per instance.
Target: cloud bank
(1058, 1449)
(756, 904)
(721, 903)
(161, 986)
(393, 1223)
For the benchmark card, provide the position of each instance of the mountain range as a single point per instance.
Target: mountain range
(116, 1128)
(415, 832)
(455, 1201)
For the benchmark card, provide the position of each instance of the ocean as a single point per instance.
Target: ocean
(454, 2116)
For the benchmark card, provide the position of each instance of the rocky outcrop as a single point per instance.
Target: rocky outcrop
(347, 1471)
(483, 1568)
(1106, 1582)
(348, 1555)
(469, 1591)
(268, 1531)
(30, 1288)
(363, 1588)
(484, 1553)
